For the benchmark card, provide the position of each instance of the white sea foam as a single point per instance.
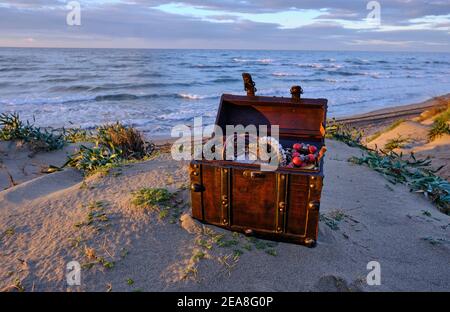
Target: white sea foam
(281, 74)
(262, 61)
(190, 96)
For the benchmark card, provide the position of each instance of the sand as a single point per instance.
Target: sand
(43, 226)
(401, 230)
(414, 135)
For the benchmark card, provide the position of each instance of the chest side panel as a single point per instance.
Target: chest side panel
(297, 205)
(254, 199)
(211, 194)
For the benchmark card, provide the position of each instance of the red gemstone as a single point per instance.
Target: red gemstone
(297, 146)
(297, 161)
(312, 149)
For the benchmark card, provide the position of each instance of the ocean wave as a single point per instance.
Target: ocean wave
(190, 96)
(148, 75)
(45, 100)
(10, 69)
(116, 97)
(102, 98)
(133, 97)
(56, 80)
(281, 74)
(352, 73)
(226, 79)
(310, 65)
(437, 62)
(259, 61)
(358, 61)
(77, 88)
(138, 86)
(203, 66)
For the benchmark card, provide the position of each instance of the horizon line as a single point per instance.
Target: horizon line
(228, 49)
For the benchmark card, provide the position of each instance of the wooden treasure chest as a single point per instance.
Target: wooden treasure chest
(282, 204)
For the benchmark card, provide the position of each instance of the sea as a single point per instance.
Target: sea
(154, 90)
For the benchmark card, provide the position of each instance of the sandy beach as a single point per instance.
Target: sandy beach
(127, 248)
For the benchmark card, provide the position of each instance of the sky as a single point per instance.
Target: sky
(390, 25)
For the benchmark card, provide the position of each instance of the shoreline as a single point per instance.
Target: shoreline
(372, 120)
(408, 110)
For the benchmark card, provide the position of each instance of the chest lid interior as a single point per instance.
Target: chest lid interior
(295, 117)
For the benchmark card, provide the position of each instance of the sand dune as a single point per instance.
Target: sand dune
(413, 137)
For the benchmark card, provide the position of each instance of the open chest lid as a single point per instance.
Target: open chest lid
(295, 116)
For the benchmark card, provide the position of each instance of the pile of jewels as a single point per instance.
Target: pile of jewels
(301, 155)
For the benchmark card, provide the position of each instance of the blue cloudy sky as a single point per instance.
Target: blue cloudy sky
(406, 25)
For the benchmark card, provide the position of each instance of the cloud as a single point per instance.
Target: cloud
(263, 24)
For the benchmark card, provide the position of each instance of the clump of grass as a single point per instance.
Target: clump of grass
(434, 241)
(91, 255)
(17, 285)
(398, 142)
(198, 255)
(392, 126)
(8, 232)
(150, 197)
(204, 243)
(439, 127)
(416, 173)
(342, 132)
(96, 216)
(77, 135)
(114, 145)
(12, 128)
(332, 219)
(126, 139)
(90, 159)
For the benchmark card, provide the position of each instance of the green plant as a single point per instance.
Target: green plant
(148, 197)
(342, 132)
(398, 142)
(90, 159)
(77, 135)
(439, 127)
(114, 145)
(332, 219)
(12, 128)
(96, 216)
(434, 241)
(198, 255)
(272, 252)
(8, 232)
(416, 173)
(126, 139)
(18, 285)
(237, 254)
